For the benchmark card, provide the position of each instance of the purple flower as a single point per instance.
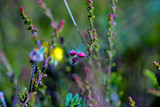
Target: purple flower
(37, 55)
(2, 99)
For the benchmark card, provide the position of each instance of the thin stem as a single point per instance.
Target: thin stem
(30, 95)
(39, 78)
(33, 72)
(74, 22)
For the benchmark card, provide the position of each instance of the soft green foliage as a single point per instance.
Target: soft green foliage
(151, 76)
(74, 101)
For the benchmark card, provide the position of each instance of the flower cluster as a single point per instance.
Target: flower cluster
(35, 81)
(2, 100)
(111, 27)
(37, 55)
(28, 21)
(92, 32)
(110, 38)
(57, 28)
(131, 102)
(157, 65)
(47, 10)
(78, 54)
(88, 91)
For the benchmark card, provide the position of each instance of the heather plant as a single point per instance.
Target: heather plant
(85, 70)
(131, 102)
(50, 54)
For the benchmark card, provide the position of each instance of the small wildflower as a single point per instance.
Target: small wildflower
(131, 102)
(72, 52)
(61, 24)
(74, 61)
(37, 55)
(54, 24)
(78, 54)
(57, 53)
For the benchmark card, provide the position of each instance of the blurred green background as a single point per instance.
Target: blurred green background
(137, 42)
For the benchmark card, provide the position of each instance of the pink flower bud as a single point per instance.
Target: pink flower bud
(61, 24)
(81, 55)
(72, 53)
(74, 61)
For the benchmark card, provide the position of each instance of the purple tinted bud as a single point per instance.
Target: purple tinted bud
(72, 53)
(54, 24)
(38, 43)
(74, 61)
(36, 56)
(81, 55)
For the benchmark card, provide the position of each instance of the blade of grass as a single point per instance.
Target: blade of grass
(74, 22)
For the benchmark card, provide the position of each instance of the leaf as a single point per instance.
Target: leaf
(81, 47)
(76, 97)
(69, 97)
(151, 76)
(41, 51)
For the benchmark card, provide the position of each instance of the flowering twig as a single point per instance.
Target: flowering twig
(34, 84)
(2, 100)
(88, 91)
(57, 28)
(92, 31)
(79, 82)
(131, 102)
(28, 21)
(156, 64)
(110, 33)
(110, 37)
(47, 11)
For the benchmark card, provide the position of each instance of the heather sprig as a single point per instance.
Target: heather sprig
(2, 99)
(88, 91)
(131, 102)
(28, 21)
(79, 82)
(35, 81)
(111, 33)
(92, 31)
(46, 10)
(110, 50)
(37, 55)
(156, 64)
(57, 28)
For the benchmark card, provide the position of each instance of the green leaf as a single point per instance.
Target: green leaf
(151, 76)
(69, 97)
(41, 51)
(81, 47)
